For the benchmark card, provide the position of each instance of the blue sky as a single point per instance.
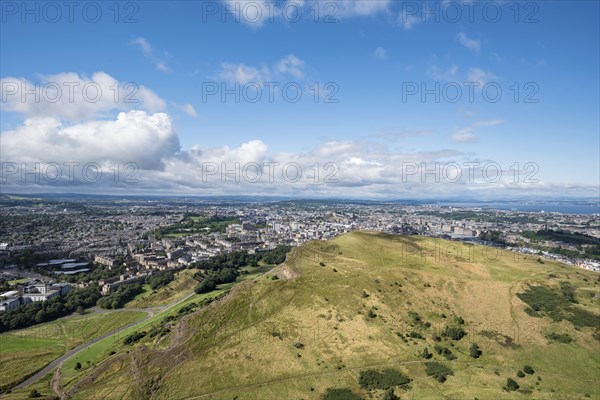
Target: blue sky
(372, 53)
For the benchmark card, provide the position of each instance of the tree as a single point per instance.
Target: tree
(390, 395)
(474, 351)
(78, 366)
(520, 374)
(528, 370)
(34, 393)
(511, 385)
(426, 354)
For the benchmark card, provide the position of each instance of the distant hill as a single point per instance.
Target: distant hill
(356, 314)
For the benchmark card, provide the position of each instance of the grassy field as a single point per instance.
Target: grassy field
(370, 301)
(25, 351)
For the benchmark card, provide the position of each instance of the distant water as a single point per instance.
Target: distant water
(560, 208)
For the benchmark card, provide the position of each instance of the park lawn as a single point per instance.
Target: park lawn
(25, 351)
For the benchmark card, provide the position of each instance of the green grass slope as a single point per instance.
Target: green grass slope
(366, 302)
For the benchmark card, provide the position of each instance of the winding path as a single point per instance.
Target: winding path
(151, 311)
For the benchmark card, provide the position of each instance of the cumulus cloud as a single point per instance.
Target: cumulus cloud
(135, 136)
(467, 42)
(73, 96)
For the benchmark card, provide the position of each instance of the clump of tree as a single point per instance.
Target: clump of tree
(426, 354)
(528, 370)
(438, 371)
(511, 385)
(120, 297)
(559, 337)
(45, 311)
(134, 337)
(340, 394)
(160, 279)
(444, 351)
(474, 351)
(453, 332)
(214, 278)
(371, 379)
(390, 395)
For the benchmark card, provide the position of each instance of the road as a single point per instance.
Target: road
(48, 368)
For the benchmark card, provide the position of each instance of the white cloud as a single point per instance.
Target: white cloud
(463, 135)
(190, 110)
(380, 53)
(150, 53)
(468, 135)
(291, 65)
(480, 76)
(134, 136)
(360, 8)
(469, 43)
(244, 74)
(437, 73)
(72, 96)
(407, 21)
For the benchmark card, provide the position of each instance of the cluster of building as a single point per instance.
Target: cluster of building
(13, 299)
(127, 238)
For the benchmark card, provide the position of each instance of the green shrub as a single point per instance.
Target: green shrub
(438, 371)
(426, 354)
(390, 395)
(511, 385)
(559, 337)
(520, 374)
(528, 370)
(340, 394)
(454, 332)
(371, 379)
(474, 351)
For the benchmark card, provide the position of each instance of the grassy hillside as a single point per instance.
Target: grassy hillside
(25, 351)
(356, 313)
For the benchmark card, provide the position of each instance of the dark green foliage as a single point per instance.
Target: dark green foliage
(459, 320)
(511, 385)
(474, 351)
(416, 335)
(119, 297)
(193, 225)
(371, 379)
(528, 370)
(454, 332)
(438, 371)
(340, 394)
(559, 337)
(50, 310)
(390, 395)
(34, 394)
(160, 279)
(78, 366)
(426, 354)
(224, 268)
(561, 236)
(520, 374)
(559, 306)
(206, 286)
(134, 337)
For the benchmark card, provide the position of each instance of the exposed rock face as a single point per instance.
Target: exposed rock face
(286, 272)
